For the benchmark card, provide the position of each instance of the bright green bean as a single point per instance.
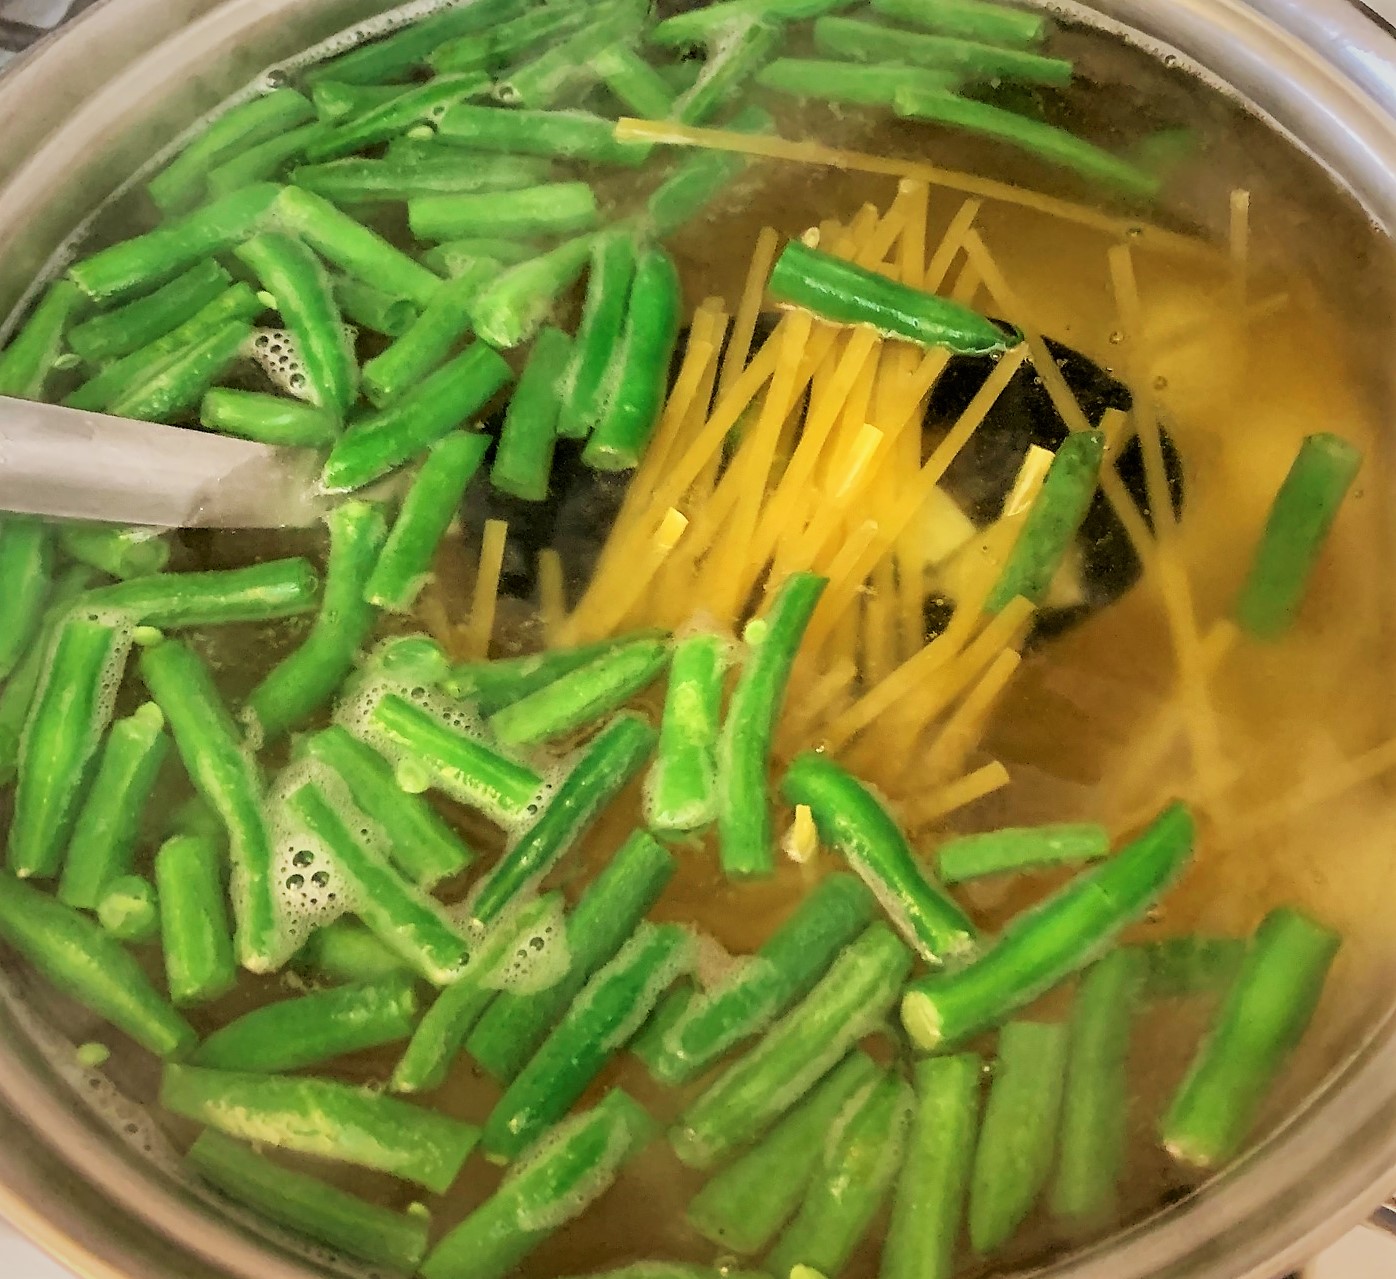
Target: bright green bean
(417, 104)
(523, 461)
(200, 964)
(569, 135)
(496, 47)
(637, 85)
(336, 102)
(512, 308)
(446, 172)
(26, 578)
(1021, 848)
(176, 601)
(386, 313)
(850, 82)
(698, 181)
(555, 208)
(25, 364)
(346, 951)
(176, 389)
(123, 552)
(128, 909)
(681, 790)
(610, 276)
(736, 54)
(456, 257)
(565, 65)
(706, 23)
(128, 328)
(490, 685)
(265, 161)
(268, 419)
(970, 20)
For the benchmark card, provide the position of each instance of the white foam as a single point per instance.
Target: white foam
(278, 354)
(539, 956)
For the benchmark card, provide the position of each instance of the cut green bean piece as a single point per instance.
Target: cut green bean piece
(869, 42)
(746, 841)
(703, 24)
(611, 760)
(1295, 531)
(446, 172)
(848, 1003)
(336, 101)
(417, 104)
(128, 328)
(523, 462)
(603, 1018)
(25, 364)
(929, 1203)
(862, 1155)
(421, 843)
(1047, 944)
(492, 685)
(306, 301)
(674, 1270)
(345, 951)
(1184, 967)
(738, 53)
(698, 181)
(466, 769)
(637, 85)
(437, 1041)
(401, 916)
(74, 953)
(265, 161)
(312, 1029)
(1019, 1138)
(1095, 1107)
(512, 308)
(362, 1230)
(1265, 1016)
(128, 910)
(211, 747)
(970, 20)
(757, 992)
(742, 1208)
(609, 279)
(495, 47)
(555, 208)
(565, 66)
(268, 419)
(104, 835)
(215, 597)
(441, 404)
(123, 552)
(583, 696)
(516, 1024)
(169, 249)
(26, 576)
(456, 257)
(352, 247)
(176, 389)
(637, 377)
(845, 293)
(180, 184)
(428, 509)
(850, 82)
(569, 135)
(851, 819)
(555, 1183)
(61, 740)
(1021, 848)
(681, 790)
(390, 314)
(198, 944)
(330, 1120)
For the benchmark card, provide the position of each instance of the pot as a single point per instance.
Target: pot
(84, 109)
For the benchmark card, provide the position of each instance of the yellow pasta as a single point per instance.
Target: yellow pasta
(552, 591)
(958, 794)
(480, 628)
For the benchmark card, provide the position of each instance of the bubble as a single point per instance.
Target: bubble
(295, 882)
(304, 858)
(321, 879)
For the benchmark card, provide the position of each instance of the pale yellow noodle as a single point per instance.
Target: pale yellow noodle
(985, 780)
(480, 627)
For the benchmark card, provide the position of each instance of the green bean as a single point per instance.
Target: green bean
(1021, 848)
(264, 162)
(565, 65)
(128, 328)
(603, 1018)
(603, 319)
(674, 1270)
(491, 685)
(1019, 1137)
(736, 54)
(61, 739)
(437, 1041)
(1182, 967)
(929, 1203)
(336, 101)
(26, 577)
(330, 1120)
(84, 963)
(387, 313)
(359, 181)
(849, 1002)
(362, 1230)
(637, 85)
(25, 364)
(466, 769)
(130, 551)
(745, 838)
(697, 182)
(124, 378)
(346, 951)
(583, 696)
(555, 208)
(211, 747)
(456, 257)
(352, 247)
(200, 964)
(402, 917)
(216, 597)
(1265, 1016)
(830, 81)
(569, 135)
(681, 790)
(497, 47)
(859, 1165)
(869, 42)
(293, 275)
(1045, 945)
(611, 760)
(104, 835)
(610, 910)
(523, 461)
(512, 308)
(557, 1182)
(742, 1207)
(268, 419)
(417, 104)
(181, 183)
(128, 909)
(178, 387)
(173, 247)
(1298, 525)
(442, 403)
(1053, 521)
(638, 375)
(970, 20)
(309, 1030)
(845, 293)
(707, 23)
(745, 1002)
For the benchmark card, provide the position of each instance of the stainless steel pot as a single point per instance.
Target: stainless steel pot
(82, 110)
